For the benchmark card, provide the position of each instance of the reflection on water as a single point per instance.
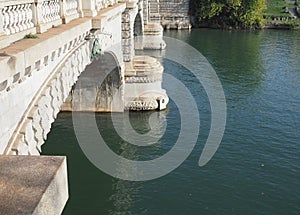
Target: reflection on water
(145, 129)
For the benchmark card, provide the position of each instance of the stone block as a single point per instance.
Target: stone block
(33, 185)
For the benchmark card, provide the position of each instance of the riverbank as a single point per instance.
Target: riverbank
(283, 24)
(273, 14)
(268, 24)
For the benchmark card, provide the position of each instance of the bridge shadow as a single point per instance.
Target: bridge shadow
(99, 87)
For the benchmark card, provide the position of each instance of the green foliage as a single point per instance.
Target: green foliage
(30, 36)
(276, 8)
(277, 15)
(229, 13)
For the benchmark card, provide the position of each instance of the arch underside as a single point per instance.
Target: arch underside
(77, 66)
(99, 88)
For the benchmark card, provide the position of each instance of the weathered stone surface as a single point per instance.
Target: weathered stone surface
(99, 88)
(174, 14)
(33, 185)
(153, 36)
(21, 79)
(143, 79)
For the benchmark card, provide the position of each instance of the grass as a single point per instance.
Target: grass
(31, 36)
(275, 12)
(276, 8)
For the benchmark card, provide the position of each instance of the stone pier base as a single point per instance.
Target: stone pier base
(143, 80)
(153, 37)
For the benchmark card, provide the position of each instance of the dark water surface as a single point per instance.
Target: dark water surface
(256, 170)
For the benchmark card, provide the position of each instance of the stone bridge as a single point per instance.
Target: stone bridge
(50, 47)
(47, 44)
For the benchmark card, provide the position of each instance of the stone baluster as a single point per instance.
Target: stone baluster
(99, 5)
(50, 10)
(2, 21)
(29, 16)
(43, 12)
(11, 24)
(68, 7)
(5, 20)
(71, 9)
(79, 8)
(57, 9)
(22, 15)
(16, 18)
(47, 14)
(106, 3)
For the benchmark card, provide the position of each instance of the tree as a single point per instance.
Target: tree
(233, 13)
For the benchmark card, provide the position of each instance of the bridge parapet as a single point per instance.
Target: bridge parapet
(22, 17)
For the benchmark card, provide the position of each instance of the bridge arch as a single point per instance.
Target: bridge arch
(138, 25)
(32, 130)
(99, 87)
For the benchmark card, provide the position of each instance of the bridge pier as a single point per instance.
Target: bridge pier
(143, 79)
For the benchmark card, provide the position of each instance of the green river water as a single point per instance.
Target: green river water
(256, 169)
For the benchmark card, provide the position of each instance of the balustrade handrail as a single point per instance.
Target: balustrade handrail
(4, 3)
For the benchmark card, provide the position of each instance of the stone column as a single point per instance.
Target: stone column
(89, 8)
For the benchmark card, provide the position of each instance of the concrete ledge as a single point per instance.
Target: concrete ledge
(33, 185)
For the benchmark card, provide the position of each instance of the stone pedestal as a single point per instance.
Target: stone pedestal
(33, 185)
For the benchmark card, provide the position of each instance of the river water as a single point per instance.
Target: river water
(256, 169)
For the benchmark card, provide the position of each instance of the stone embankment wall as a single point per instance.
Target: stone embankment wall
(174, 14)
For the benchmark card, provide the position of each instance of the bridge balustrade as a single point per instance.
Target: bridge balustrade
(19, 18)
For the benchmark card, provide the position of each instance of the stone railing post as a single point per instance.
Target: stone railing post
(80, 8)
(89, 7)
(63, 11)
(37, 13)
